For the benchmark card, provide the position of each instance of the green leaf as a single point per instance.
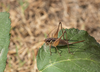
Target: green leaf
(4, 38)
(85, 58)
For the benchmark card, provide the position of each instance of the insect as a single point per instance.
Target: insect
(55, 41)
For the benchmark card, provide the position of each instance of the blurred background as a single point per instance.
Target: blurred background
(32, 20)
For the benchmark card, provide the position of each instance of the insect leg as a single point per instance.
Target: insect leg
(68, 43)
(58, 51)
(55, 43)
(77, 42)
(56, 33)
(61, 29)
(50, 49)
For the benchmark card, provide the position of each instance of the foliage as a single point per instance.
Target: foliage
(4, 38)
(85, 58)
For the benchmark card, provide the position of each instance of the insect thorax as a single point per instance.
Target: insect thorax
(49, 41)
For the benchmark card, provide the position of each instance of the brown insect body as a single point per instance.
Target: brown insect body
(51, 40)
(55, 41)
(61, 43)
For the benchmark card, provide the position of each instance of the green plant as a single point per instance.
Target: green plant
(4, 38)
(85, 58)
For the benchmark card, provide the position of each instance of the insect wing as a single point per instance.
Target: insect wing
(54, 32)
